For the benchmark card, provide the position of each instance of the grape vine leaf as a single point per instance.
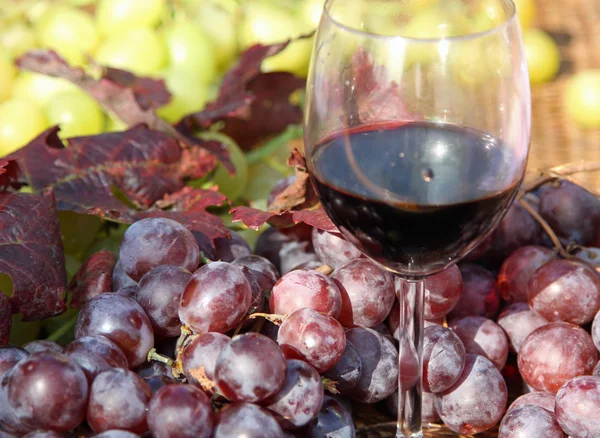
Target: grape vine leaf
(9, 172)
(251, 105)
(5, 318)
(93, 278)
(31, 253)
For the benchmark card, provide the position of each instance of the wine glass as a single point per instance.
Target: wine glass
(417, 128)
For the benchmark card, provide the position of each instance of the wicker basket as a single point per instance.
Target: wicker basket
(555, 141)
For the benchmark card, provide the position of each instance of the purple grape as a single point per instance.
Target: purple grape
(518, 322)
(530, 421)
(48, 391)
(250, 368)
(159, 293)
(246, 420)
(295, 254)
(442, 292)
(8, 418)
(206, 244)
(180, 411)
(347, 370)
(118, 400)
(313, 337)
(116, 434)
(476, 402)
(227, 250)
(541, 399)
(379, 359)
(152, 242)
(257, 301)
(44, 434)
(263, 270)
(216, 298)
(41, 346)
(578, 407)
(596, 371)
(10, 355)
(157, 382)
(333, 421)
(303, 288)
(96, 354)
(272, 242)
(199, 357)
(128, 291)
(484, 337)
(333, 249)
(300, 398)
(120, 319)
(368, 293)
(120, 279)
(443, 358)
(480, 295)
(154, 369)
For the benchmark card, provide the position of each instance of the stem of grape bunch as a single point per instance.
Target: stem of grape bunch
(410, 331)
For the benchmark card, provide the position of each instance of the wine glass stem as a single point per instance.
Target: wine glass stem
(410, 347)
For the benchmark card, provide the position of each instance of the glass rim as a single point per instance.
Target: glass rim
(510, 18)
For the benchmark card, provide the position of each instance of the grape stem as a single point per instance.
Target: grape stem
(324, 269)
(563, 172)
(157, 357)
(62, 330)
(274, 318)
(547, 228)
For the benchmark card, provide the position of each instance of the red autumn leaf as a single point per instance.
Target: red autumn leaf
(122, 94)
(254, 218)
(32, 254)
(9, 173)
(93, 278)
(5, 318)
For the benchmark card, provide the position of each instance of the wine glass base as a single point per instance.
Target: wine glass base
(400, 434)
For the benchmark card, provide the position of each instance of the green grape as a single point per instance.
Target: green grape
(191, 50)
(76, 113)
(38, 88)
(261, 179)
(20, 122)
(115, 16)
(188, 95)
(114, 124)
(7, 75)
(140, 51)
(69, 31)
(231, 186)
(311, 11)
(78, 231)
(17, 39)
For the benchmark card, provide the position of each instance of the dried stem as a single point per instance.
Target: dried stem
(547, 229)
(274, 318)
(324, 269)
(157, 357)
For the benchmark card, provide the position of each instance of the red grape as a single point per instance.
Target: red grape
(216, 298)
(443, 358)
(379, 359)
(303, 288)
(595, 331)
(48, 391)
(333, 420)
(116, 434)
(128, 291)
(518, 321)
(565, 290)
(480, 295)
(120, 279)
(484, 337)
(199, 357)
(180, 411)
(518, 268)
(542, 399)
(261, 269)
(246, 420)
(44, 434)
(300, 398)
(596, 371)
(153, 369)
(157, 382)
(368, 293)
(152, 242)
(271, 243)
(118, 400)
(10, 355)
(554, 354)
(8, 418)
(577, 407)
(294, 254)
(227, 250)
(120, 319)
(530, 421)
(442, 292)
(347, 371)
(333, 249)
(313, 337)
(250, 368)
(95, 354)
(476, 402)
(159, 293)
(40, 346)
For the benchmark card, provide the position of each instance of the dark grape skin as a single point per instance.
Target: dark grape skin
(443, 358)
(44, 434)
(300, 398)
(10, 355)
(128, 291)
(304, 288)
(200, 353)
(95, 354)
(529, 421)
(333, 249)
(313, 337)
(347, 370)
(239, 382)
(555, 353)
(379, 359)
(518, 322)
(120, 279)
(180, 411)
(295, 254)
(48, 391)
(157, 382)
(367, 291)
(265, 272)
(517, 269)
(542, 399)
(227, 250)
(42, 345)
(152, 242)
(480, 384)
(116, 434)
(118, 400)
(565, 290)
(216, 299)
(577, 407)
(159, 293)
(246, 420)
(333, 420)
(572, 212)
(480, 295)
(120, 319)
(154, 369)
(484, 337)
(442, 292)
(271, 243)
